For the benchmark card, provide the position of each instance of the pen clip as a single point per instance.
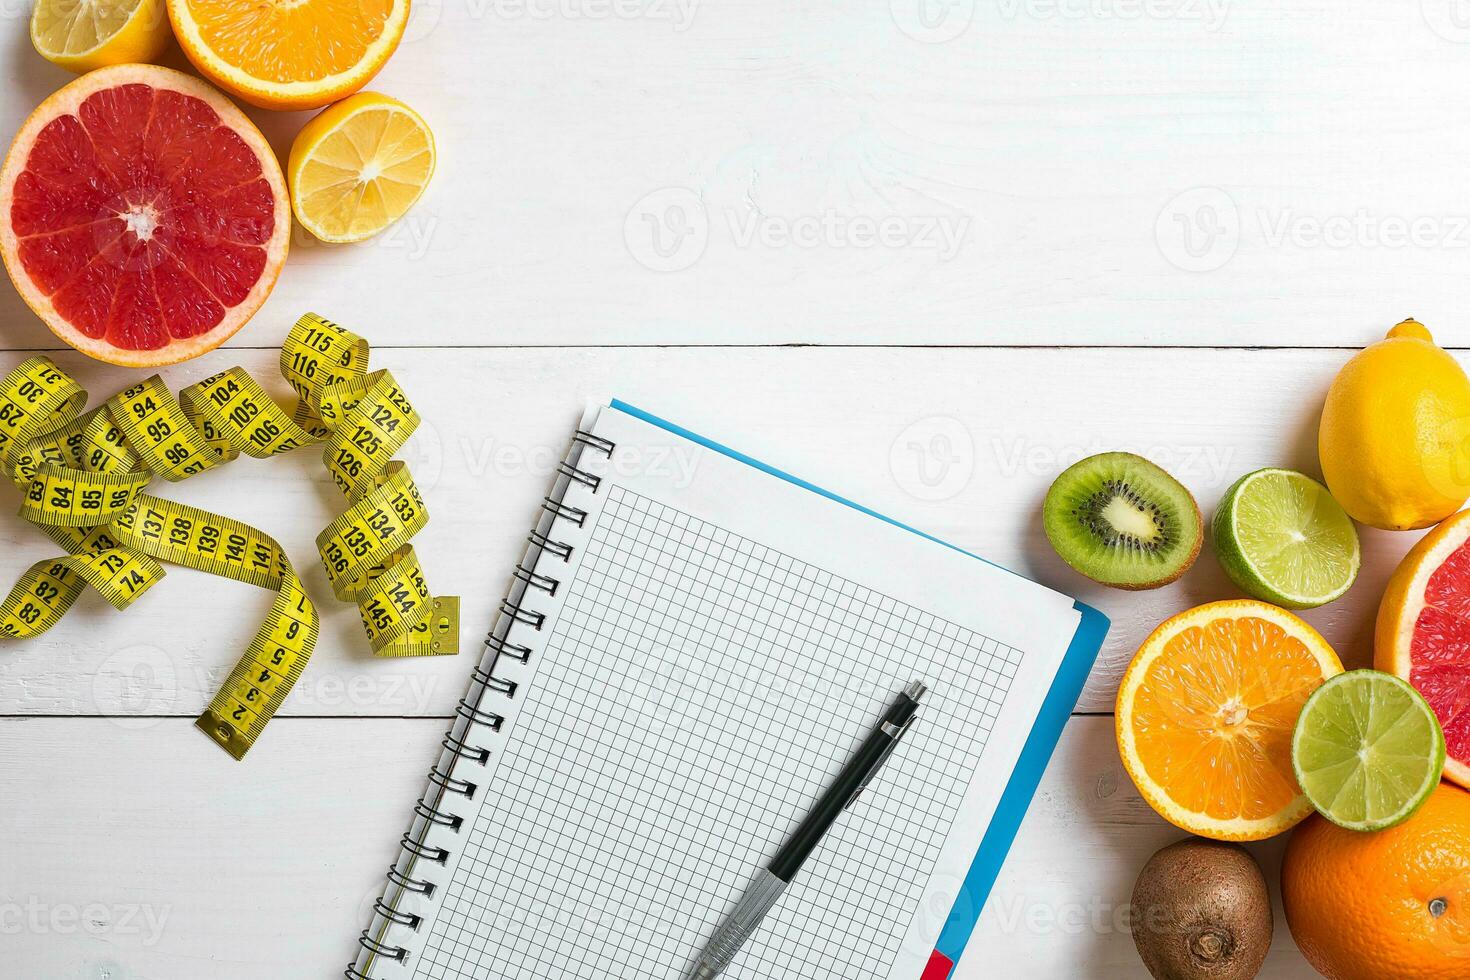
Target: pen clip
(897, 735)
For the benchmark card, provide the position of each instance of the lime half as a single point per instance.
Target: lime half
(1282, 538)
(1367, 750)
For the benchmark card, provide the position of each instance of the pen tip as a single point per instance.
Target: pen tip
(916, 690)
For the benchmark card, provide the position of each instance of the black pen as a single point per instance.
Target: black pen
(763, 893)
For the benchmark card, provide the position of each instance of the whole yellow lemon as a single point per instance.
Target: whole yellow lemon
(1395, 435)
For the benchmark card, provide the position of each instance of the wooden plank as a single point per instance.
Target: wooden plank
(147, 854)
(1028, 171)
(959, 443)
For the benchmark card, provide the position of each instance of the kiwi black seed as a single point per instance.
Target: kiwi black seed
(1201, 911)
(1121, 520)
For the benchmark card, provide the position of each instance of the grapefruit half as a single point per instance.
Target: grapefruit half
(1423, 632)
(142, 216)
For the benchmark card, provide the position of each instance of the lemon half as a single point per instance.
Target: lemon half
(81, 35)
(358, 167)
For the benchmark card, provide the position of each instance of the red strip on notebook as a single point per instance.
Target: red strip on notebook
(939, 968)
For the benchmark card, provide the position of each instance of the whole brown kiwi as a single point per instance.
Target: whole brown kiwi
(1201, 911)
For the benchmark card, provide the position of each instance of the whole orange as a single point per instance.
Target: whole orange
(1393, 905)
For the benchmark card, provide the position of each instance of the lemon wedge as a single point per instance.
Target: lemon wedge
(81, 35)
(358, 167)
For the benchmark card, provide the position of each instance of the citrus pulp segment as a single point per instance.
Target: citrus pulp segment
(1367, 750)
(1205, 715)
(299, 55)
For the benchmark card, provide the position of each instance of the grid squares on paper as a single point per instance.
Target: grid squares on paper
(698, 691)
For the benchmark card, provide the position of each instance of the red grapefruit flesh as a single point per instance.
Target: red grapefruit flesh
(1423, 633)
(142, 215)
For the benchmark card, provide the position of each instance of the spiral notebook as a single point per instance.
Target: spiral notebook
(693, 644)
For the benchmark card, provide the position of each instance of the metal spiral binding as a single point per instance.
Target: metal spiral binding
(545, 583)
(461, 787)
(546, 546)
(373, 946)
(556, 508)
(527, 617)
(451, 820)
(439, 855)
(424, 888)
(502, 648)
(469, 713)
(397, 917)
(508, 688)
(587, 480)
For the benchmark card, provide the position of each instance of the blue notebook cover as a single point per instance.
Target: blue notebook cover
(1037, 752)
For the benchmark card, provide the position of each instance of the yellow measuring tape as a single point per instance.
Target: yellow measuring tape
(82, 477)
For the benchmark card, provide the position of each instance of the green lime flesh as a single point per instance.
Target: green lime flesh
(1367, 750)
(1281, 537)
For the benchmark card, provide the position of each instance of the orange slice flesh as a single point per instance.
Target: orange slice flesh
(283, 42)
(289, 54)
(1206, 712)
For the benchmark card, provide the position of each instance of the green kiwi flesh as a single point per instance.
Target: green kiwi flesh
(1121, 520)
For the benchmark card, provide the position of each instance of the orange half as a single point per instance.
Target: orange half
(1205, 716)
(296, 54)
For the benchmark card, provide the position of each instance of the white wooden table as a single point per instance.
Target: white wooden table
(926, 253)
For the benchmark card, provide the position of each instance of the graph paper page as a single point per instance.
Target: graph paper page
(719, 647)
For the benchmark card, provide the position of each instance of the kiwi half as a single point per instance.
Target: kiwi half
(1122, 521)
